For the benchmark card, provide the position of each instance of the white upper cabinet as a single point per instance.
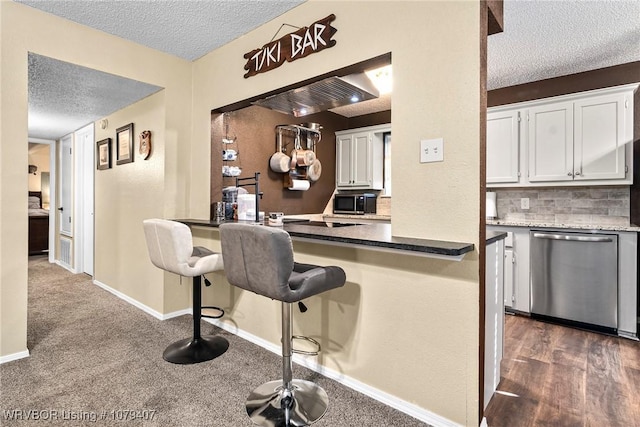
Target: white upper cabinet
(359, 158)
(503, 142)
(599, 133)
(578, 139)
(551, 142)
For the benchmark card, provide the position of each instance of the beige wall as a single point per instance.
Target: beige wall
(24, 29)
(408, 326)
(131, 193)
(405, 325)
(39, 156)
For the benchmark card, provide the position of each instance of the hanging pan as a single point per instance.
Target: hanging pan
(314, 171)
(279, 161)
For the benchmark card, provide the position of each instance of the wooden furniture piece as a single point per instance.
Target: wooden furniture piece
(38, 225)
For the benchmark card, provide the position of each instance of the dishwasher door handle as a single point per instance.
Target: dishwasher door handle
(572, 238)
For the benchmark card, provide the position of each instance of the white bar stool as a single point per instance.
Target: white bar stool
(170, 245)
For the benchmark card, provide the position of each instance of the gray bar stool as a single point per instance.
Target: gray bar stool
(260, 259)
(170, 246)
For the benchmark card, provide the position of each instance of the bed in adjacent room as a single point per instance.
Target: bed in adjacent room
(38, 224)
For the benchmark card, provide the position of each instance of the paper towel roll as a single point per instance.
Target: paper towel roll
(492, 211)
(299, 185)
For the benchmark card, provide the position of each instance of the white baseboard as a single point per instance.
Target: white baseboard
(65, 266)
(140, 305)
(374, 393)
(379, 395)
(14, 356)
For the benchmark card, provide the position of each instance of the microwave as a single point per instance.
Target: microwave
(358, 204)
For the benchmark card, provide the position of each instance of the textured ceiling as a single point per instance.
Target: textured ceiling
(184, 28)
(542, 38)
(63, 97)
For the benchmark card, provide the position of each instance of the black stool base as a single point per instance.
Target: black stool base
(266, 408)
(190, 350)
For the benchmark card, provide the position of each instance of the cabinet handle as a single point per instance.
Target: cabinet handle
(572, 238)
(577, 173)
(569, 174)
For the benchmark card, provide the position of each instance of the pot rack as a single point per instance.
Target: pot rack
(298, 130)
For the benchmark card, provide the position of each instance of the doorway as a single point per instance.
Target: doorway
(65, 100)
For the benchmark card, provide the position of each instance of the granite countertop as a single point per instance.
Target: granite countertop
(365, 216)
(532, 224)
(494, 236)
(373, 236)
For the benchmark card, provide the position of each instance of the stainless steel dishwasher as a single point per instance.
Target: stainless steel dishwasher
(574, 277)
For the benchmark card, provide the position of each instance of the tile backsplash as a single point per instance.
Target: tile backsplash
(566, 205)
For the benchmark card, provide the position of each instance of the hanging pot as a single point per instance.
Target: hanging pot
(279, 162)
(314, 171)
(305, 157)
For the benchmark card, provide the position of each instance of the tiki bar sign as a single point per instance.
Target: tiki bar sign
(296, 45)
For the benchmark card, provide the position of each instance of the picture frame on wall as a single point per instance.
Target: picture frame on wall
(124, 144)
(104, 154)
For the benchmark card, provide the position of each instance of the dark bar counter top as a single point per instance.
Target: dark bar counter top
(370, 236)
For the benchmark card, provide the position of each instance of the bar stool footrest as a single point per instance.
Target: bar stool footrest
(211, 316)
(306, 352)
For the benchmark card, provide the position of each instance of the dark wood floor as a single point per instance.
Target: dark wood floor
(563, 377)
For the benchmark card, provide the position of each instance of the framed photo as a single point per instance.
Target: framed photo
(124, 144)
(104, 154)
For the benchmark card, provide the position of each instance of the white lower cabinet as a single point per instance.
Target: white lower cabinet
(494, 318)
(516, 268)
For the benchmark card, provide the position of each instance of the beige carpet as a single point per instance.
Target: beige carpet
(95, 356)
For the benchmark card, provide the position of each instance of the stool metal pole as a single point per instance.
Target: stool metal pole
(287, 352)
(287, 402)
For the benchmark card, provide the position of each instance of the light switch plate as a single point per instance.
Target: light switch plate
(431, 150)
(524, 203)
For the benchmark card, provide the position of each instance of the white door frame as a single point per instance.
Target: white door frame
(84, 149)
(52, 193)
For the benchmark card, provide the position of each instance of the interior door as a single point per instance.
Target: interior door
(66, 185)
(85, 149)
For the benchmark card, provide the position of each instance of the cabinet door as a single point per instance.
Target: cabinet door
(599, 138)
(551, 142)
(343, 161)
(521, 267)
(503, 147)
(361, 174)
(509, 261)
